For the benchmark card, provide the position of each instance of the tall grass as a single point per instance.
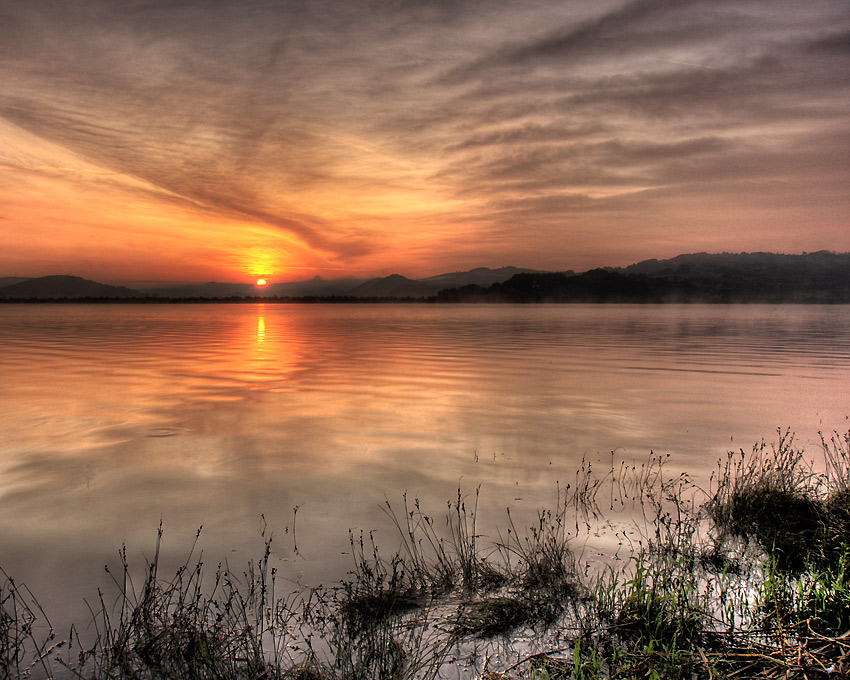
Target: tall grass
(776, 498)
(750, 578)
(27, 639)
(191, 625)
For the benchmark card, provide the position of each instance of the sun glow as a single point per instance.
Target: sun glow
(261, 282)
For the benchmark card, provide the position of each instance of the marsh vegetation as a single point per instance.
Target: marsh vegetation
(749, 577)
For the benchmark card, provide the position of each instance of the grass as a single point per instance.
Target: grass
(187, 626)
(24, 649)
(750, 579)
(775, 497)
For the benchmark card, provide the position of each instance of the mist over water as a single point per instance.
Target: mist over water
(116, 417)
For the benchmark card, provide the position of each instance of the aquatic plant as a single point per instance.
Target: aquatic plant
(775, 497)
(727, 583)
(184, 627)
(26, 636)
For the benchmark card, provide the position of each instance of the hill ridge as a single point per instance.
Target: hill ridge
(820, 276)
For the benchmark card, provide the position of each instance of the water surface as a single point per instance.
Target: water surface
(116, 417)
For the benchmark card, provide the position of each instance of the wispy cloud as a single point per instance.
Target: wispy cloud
(540, 123)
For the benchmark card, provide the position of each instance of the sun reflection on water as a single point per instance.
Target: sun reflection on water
(338, 407)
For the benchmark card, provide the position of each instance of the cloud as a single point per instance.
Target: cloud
(343, 124)
(658, 120)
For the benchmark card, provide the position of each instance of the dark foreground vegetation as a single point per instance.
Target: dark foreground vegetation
(747, 579)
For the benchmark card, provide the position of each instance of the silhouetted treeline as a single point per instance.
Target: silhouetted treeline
(232, 299)
(821, 277)
(723, 278)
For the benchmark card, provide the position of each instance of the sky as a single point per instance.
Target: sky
(198, 140)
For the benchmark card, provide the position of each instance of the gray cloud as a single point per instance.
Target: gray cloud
(534, 111)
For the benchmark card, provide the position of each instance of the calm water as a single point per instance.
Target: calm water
(115, 417)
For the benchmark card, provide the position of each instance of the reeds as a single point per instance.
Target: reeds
(721, 583)
(188, 626)
(776, 498)
(26, 637)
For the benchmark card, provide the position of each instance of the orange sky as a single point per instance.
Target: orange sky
(195, 141)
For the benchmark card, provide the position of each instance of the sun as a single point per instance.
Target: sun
(261, 282)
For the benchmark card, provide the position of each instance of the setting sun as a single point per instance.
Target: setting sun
(261, 282)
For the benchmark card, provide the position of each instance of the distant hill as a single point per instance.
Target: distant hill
(821, 276)
(64, 287)
(211, 289)
(315, 287)
(751, 265)
(701, 277)
(394, 285)
(9, 280)
(698, 277)
(481, 276)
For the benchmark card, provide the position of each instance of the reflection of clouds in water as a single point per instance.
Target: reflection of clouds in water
(346, 406)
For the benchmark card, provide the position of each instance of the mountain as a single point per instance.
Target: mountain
(399, 286)
(481, 276)
(211, 289)
(394, 285)
(821, 277)
(9, 280)
(749, 264)
(316, 287)
(64, 287)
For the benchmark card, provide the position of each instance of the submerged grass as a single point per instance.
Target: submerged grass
(750, 580)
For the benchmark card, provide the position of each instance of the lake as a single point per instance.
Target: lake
(116, 417)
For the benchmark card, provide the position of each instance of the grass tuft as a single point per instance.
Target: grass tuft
(752, 580)
(494, 616)
(26, 636)
(774, 497)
